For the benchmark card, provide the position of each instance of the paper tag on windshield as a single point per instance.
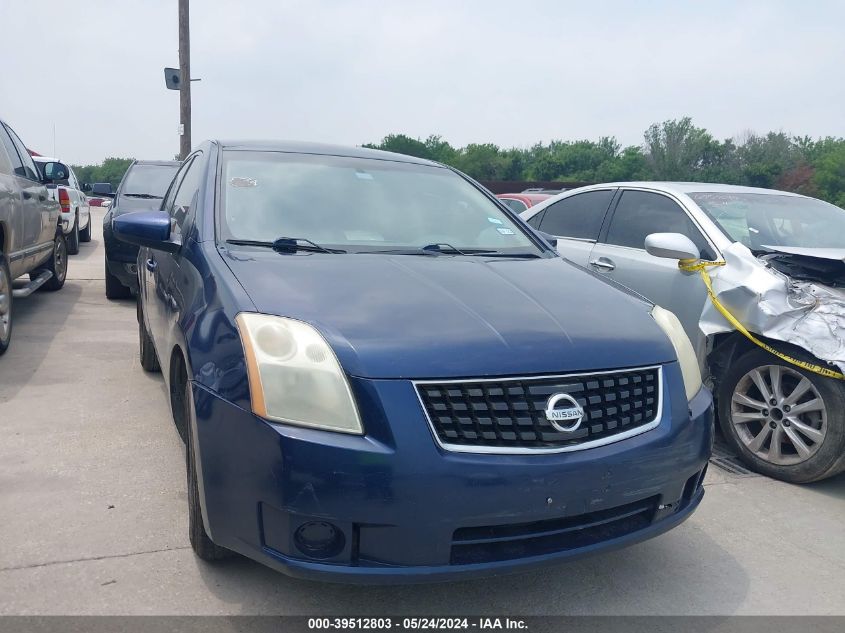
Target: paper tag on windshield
(495, 220)
(364, 175)
(240, 181)
(504, 231)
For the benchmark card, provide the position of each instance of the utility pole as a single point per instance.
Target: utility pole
(185, 83)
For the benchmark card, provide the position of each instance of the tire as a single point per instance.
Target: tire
(73, 238)
(85, 234)
(203, 546)
(147, 353)
(56, 265)
(115, 288)
(5, 305)
(759, 400)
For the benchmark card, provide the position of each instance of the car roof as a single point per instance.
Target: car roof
(533, 197)
(687, 188)
(301, 147)
(163, 163)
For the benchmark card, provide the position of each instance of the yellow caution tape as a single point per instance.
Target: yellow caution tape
(692, 265)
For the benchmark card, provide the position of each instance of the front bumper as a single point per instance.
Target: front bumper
(127, 272)
(121, 258)
(408, 511)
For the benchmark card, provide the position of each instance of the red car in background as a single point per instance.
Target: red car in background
(519, 202)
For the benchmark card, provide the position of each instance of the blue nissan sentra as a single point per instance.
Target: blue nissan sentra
(382, 374)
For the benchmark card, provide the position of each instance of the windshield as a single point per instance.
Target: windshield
(148, 179)
(359, 205)
(758, 219)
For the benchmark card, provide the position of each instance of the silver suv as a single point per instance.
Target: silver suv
(31, 237)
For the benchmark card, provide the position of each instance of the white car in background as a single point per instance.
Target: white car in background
(76, 212)
(779, 269)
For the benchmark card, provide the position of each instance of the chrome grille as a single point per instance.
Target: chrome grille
(508, 415)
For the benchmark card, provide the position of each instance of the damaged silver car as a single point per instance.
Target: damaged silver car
(781, 274)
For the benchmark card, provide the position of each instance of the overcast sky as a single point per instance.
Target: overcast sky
(350, 72)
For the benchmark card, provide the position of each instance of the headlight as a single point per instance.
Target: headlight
(294, 376)
(683, 349)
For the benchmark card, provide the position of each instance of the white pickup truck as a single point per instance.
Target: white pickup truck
(76, 212)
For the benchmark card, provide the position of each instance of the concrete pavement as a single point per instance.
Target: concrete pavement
(93, 515)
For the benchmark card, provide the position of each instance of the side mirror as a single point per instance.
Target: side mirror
(54, 171)
(145, 228)
(671, 246)
(86, 186)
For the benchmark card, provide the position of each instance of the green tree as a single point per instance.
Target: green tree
(629, 164)
(829, 176)
(402, 144)
(483, 162)
(763, 159)
(678, 150)
(672, 150)
(110, 170)
(439, 150)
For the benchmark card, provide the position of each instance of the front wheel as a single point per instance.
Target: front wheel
(783, 421)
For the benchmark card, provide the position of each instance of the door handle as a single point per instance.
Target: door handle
(603, 264)
(151, 265)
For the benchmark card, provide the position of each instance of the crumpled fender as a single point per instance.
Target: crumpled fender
(771, 304)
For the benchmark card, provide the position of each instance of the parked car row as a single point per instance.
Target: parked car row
(75, 209)
(32, 239)
(364, 350)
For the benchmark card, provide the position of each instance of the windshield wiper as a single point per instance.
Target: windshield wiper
(288, 245)
(504, 254)
(401, 251)
(441, 248)
(438, 248)
(145, 196)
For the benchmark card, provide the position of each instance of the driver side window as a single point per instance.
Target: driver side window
(183, 194)
(9, 162)
(640, 213)
(29, 169)
(21, 160)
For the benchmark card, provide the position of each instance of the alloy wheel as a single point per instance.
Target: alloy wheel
(779, 415)
(60, 259)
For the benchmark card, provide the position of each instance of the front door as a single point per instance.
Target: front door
(163, 267)
(620, 254)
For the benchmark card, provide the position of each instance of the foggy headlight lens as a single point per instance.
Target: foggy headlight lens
(294, 376)
(683, 349)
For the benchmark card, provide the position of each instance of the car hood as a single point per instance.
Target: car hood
(399, 316)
